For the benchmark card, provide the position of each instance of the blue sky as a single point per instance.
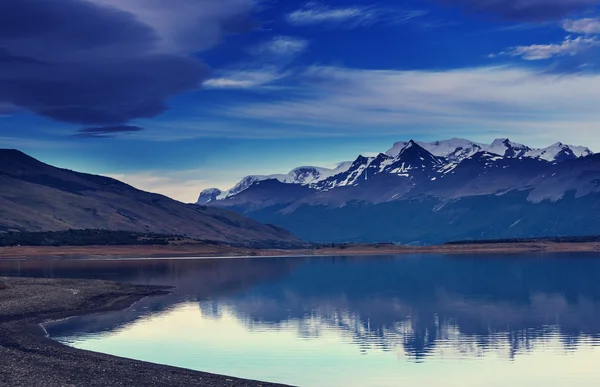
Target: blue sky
(191, 94)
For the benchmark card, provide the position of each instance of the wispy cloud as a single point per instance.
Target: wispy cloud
(246, 78)
(352, 16)
(502, 99)
(106, 131)
(569, 47)
(576, 46)
(268, 63)
(314, 14)
(282, 47)
(586, 26)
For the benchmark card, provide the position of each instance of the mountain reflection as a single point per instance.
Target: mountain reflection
(418, 304)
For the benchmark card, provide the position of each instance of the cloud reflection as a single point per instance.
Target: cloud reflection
(416, 306)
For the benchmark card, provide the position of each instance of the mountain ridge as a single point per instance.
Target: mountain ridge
(35, 196)
(418, 197)
(452, 151)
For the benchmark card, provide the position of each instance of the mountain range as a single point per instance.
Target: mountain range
(430, 192)
(39, 197)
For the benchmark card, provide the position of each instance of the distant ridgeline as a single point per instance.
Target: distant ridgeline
(573, 239)
(429, 193)
(89, 238)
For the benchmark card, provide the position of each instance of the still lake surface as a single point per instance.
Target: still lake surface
(427, 320)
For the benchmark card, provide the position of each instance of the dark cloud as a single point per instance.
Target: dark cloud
(109, 92)
(527, 10)
(97, 62)
(106, 131)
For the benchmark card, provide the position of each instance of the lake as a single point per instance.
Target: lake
(418, 320)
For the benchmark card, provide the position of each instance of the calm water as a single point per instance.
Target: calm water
(384, 321)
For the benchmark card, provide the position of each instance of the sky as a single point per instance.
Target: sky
(181, 95)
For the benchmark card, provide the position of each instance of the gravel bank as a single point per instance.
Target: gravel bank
(29, 358)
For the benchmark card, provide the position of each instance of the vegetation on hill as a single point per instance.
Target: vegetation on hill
(90, 237)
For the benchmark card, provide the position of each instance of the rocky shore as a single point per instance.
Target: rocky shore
(29, 358)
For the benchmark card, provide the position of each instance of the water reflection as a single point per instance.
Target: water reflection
(387, 312)
(418, 303)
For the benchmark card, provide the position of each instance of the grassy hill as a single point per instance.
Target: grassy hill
(38, 197)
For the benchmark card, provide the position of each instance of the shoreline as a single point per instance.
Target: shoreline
(31, 358)
(221, 251)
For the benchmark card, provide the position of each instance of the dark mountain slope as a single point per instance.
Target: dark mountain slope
(484, 196)
(486, 174)
(431, 220)
(35, 196)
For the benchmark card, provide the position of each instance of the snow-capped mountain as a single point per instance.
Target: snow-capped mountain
(348, 177)
(560, 152)
(308, 175)
(430, 193)
(208, 195)
(300, 175)
(458, 149)
(554, 153)
(455, 149)
(412, 160)
(505, 147)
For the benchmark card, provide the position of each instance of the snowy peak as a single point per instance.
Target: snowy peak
(349, 177)
(411, 161)
(342, 167)
(454, 149)
(243, 185)
(208, 195)
(379, 164)
(396, 149)
(580, 151)
(302, 175)
(413, 152)
(559, 152)
(414, 159)
(411, 145)
(307, 175)
(505, 147)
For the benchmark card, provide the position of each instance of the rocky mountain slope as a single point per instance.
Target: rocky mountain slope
(437, 192)
(38, 197)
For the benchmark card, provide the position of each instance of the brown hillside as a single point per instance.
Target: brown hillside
(38, 197)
